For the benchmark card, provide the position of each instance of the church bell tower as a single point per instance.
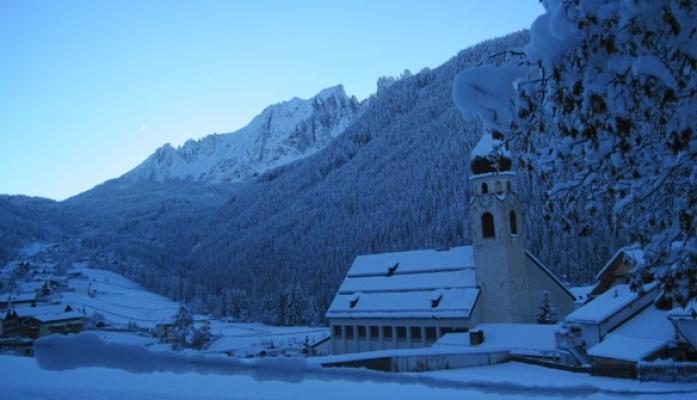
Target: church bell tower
(498, 239)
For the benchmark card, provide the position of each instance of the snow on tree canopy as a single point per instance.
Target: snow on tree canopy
(551, 34)
(607, 94)
(486, 92)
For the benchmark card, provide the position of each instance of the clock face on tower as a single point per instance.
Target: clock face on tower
(485, 200)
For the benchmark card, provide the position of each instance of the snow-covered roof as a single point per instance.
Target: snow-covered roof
(632, 253)
(608, 303)
(582, 292)
(41, 310)
(17, 298)
(621, 347)
(520, 338)
(489, 155)
(412, 281)
(640, 336)
(487, 146)
(650, 323)
(31, 286)
(409, 284)
(55, 317)
(413, 261)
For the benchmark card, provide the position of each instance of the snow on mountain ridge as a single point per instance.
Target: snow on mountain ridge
(282, 133)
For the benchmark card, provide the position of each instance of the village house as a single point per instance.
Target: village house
(617, 270)
(35, 322)
(412, 298)
(23, 299)
(164, 330)
(619, 327)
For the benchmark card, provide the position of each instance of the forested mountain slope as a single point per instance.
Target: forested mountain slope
(276, 248)
(394, 180)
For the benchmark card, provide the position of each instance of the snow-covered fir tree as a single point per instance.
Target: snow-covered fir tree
(546, 313)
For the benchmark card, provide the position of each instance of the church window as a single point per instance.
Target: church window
(498, 187)
(514, 223)
(431, 333)
(349, 332)
(485, 188)
(387, 332)
(361, 332)
(488, 225)
(401, 332)
(374, 333)
(509, 186)
(416, 332)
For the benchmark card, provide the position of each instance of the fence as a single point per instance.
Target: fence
(668, 371)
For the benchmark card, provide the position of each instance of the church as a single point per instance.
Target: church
(410, 299)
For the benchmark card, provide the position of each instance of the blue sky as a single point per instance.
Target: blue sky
(88, 89)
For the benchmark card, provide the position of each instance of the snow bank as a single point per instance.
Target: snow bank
(89, 350)
(62, 353)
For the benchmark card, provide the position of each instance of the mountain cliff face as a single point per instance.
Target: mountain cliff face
(282, 133)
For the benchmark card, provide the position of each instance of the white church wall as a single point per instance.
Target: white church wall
(358, 335)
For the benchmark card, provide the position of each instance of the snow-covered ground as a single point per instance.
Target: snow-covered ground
(22, 378)
(244, 339)
(118, 299)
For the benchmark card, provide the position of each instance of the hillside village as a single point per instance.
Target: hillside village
(40, 296)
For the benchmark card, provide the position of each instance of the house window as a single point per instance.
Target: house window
(487, 225)
(416, 332)
(374, 332)
(401, 332)
(361, 332)
(337, 330)
(349, 332)
(431, 332)
(485, 188)
(514, 223)
(387, 332)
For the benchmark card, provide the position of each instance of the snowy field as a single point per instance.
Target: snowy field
(22, 378)
(120, 300)
(244, 339)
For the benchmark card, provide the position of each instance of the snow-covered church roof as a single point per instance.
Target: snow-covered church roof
(409, 284)
(490, 154)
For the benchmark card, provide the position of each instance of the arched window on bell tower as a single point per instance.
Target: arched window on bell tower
(514, 223)
(488, 225)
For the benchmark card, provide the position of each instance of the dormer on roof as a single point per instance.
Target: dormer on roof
(391, 270)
